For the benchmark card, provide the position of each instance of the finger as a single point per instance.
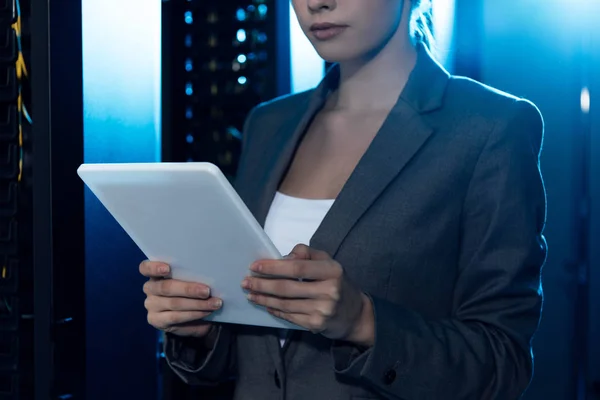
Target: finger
(301, 251)
(160, 304)
(167, 319)
(175, 288)
(313, 323)
(321, 308)
(305, 252)
(283, 305)
(154, 269)
(192, 329)
(318, 255)
(317, 270)
(287, 288)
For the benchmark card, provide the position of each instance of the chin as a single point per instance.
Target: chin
(338, 53)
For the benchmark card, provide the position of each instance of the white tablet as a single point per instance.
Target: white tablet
(189, 216)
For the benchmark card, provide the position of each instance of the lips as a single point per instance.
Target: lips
(327, 31)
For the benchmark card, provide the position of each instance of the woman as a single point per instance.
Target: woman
(420, 197)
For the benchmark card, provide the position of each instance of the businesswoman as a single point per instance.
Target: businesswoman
(412, 205)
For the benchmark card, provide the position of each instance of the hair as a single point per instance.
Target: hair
(421, 23)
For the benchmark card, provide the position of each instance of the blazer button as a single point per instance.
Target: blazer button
(389, 377)
(277, 380)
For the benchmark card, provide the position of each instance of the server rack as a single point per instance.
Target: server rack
(219, 60)
(15, 276)
(51, 154)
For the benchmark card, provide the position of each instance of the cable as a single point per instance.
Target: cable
(22, 72)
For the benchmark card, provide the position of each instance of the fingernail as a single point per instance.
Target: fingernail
(163, 270)
(202, 291)
(289, 256)
(251, 297)
(217, 303)
(255, 267)
(246, 284)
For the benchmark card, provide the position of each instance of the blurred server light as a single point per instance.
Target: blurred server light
(234, 57)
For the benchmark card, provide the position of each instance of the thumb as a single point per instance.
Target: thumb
(303, 252)
(299, 252)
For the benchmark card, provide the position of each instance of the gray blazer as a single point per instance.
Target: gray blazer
(440, 224)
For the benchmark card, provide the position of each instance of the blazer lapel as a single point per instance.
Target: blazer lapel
(401, 136)
(282, 150)
(284, 144)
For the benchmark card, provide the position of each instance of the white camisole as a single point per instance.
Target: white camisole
(293, 221)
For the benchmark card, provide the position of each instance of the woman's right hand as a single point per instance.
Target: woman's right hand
(175, 306)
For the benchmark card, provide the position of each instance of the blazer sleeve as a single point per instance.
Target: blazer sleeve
(196, 364)
(189, 357)
(484, 350)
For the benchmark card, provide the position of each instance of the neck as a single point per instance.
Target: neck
(375, 83)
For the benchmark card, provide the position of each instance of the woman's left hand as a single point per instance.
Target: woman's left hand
(309, 289)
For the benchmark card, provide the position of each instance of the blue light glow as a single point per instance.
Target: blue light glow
(189, 113)
(262, 10)
(122, 119)
(189, 18)
(241, 14)
(121, 81)
(241, 35)
(189, 138)
(242, 58)
(261, 37)
(242, 80)
(307, 67)
(189, 65)
(188, 40)
(443, 20)
(189, 89)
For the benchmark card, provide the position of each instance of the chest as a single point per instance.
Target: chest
(329, 152)
(395, 226)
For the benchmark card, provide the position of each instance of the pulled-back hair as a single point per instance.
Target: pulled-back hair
(421, 24)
